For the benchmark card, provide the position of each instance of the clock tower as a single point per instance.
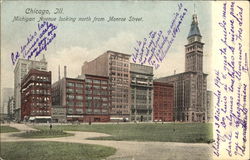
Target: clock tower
(194, 49)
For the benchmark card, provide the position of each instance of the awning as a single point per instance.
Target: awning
(42, 117)
(32, 118)
(74, 116)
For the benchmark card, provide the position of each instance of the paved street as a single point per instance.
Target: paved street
(129, 150)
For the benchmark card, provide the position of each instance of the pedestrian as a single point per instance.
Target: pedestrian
(50, 126)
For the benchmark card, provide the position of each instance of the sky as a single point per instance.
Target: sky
(78, 42)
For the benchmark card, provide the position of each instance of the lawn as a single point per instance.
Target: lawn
(44, 133)
(6, 129)
(167, 132)
(53, 151)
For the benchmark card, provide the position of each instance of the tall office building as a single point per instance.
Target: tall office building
(21, 69)
(115, 66)
(190, 87)
(141, 87)
(36, 96)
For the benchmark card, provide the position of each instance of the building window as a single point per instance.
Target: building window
(79, 85)
(70, 111)
(104, 82)
(79, 111)
(79, 91)
(88, 104)
(79, 97)
(89, 110)
(89, 98)
(70, 84)
(88, 81)
(96, 81)
(70, 90)
(97, 111)
(79, 104)
(70, 96)
(70, 103)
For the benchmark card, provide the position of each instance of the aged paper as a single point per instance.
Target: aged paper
(176, 70)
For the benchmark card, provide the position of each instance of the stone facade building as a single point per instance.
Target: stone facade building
(190, 87)
(115, 66)
(163, 106)
(21, 69)
(36, 96)
(141, 87)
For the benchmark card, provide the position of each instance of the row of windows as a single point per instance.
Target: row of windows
(39, 78)
(89, 86)
(40, 105)
(119, 74)
(71, 84)
(77, 97)
(97, 98)
(120, 58)
(40, 111)
(79, 111)
(96, 105)
(97, 92)
(96, 81)
(78, 91)
(40, 98)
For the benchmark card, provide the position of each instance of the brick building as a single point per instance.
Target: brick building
(36, 96)
(141, 87)
(86, 98)
(115, 66)
(163, 102)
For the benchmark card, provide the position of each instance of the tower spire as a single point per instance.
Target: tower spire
(194, 30)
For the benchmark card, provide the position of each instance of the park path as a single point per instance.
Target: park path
(128, 150)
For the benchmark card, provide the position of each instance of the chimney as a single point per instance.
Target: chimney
(65, 71)
(174, 72)
(59, 76)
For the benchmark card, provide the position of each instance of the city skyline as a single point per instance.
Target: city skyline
(122, 39)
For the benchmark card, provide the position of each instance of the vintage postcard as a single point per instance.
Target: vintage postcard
(124, 80)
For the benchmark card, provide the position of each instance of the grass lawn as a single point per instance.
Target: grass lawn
(44, 133)
(53, 151)
(168, 132)
(6, 129)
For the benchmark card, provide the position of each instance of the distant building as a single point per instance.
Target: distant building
(21, 69)
(85, 99)
(141, 87)
(115, 66)
(10, 108)
(6, 94)
(36, 96)
(210, 111)
(163, 106)
(190, 87)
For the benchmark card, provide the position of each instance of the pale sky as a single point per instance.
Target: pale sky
(83, 41)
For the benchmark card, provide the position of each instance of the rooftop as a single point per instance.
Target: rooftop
(194, 30)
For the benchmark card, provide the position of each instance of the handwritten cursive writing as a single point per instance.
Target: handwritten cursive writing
(153, 48)
(230, 85)
(36, 42)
